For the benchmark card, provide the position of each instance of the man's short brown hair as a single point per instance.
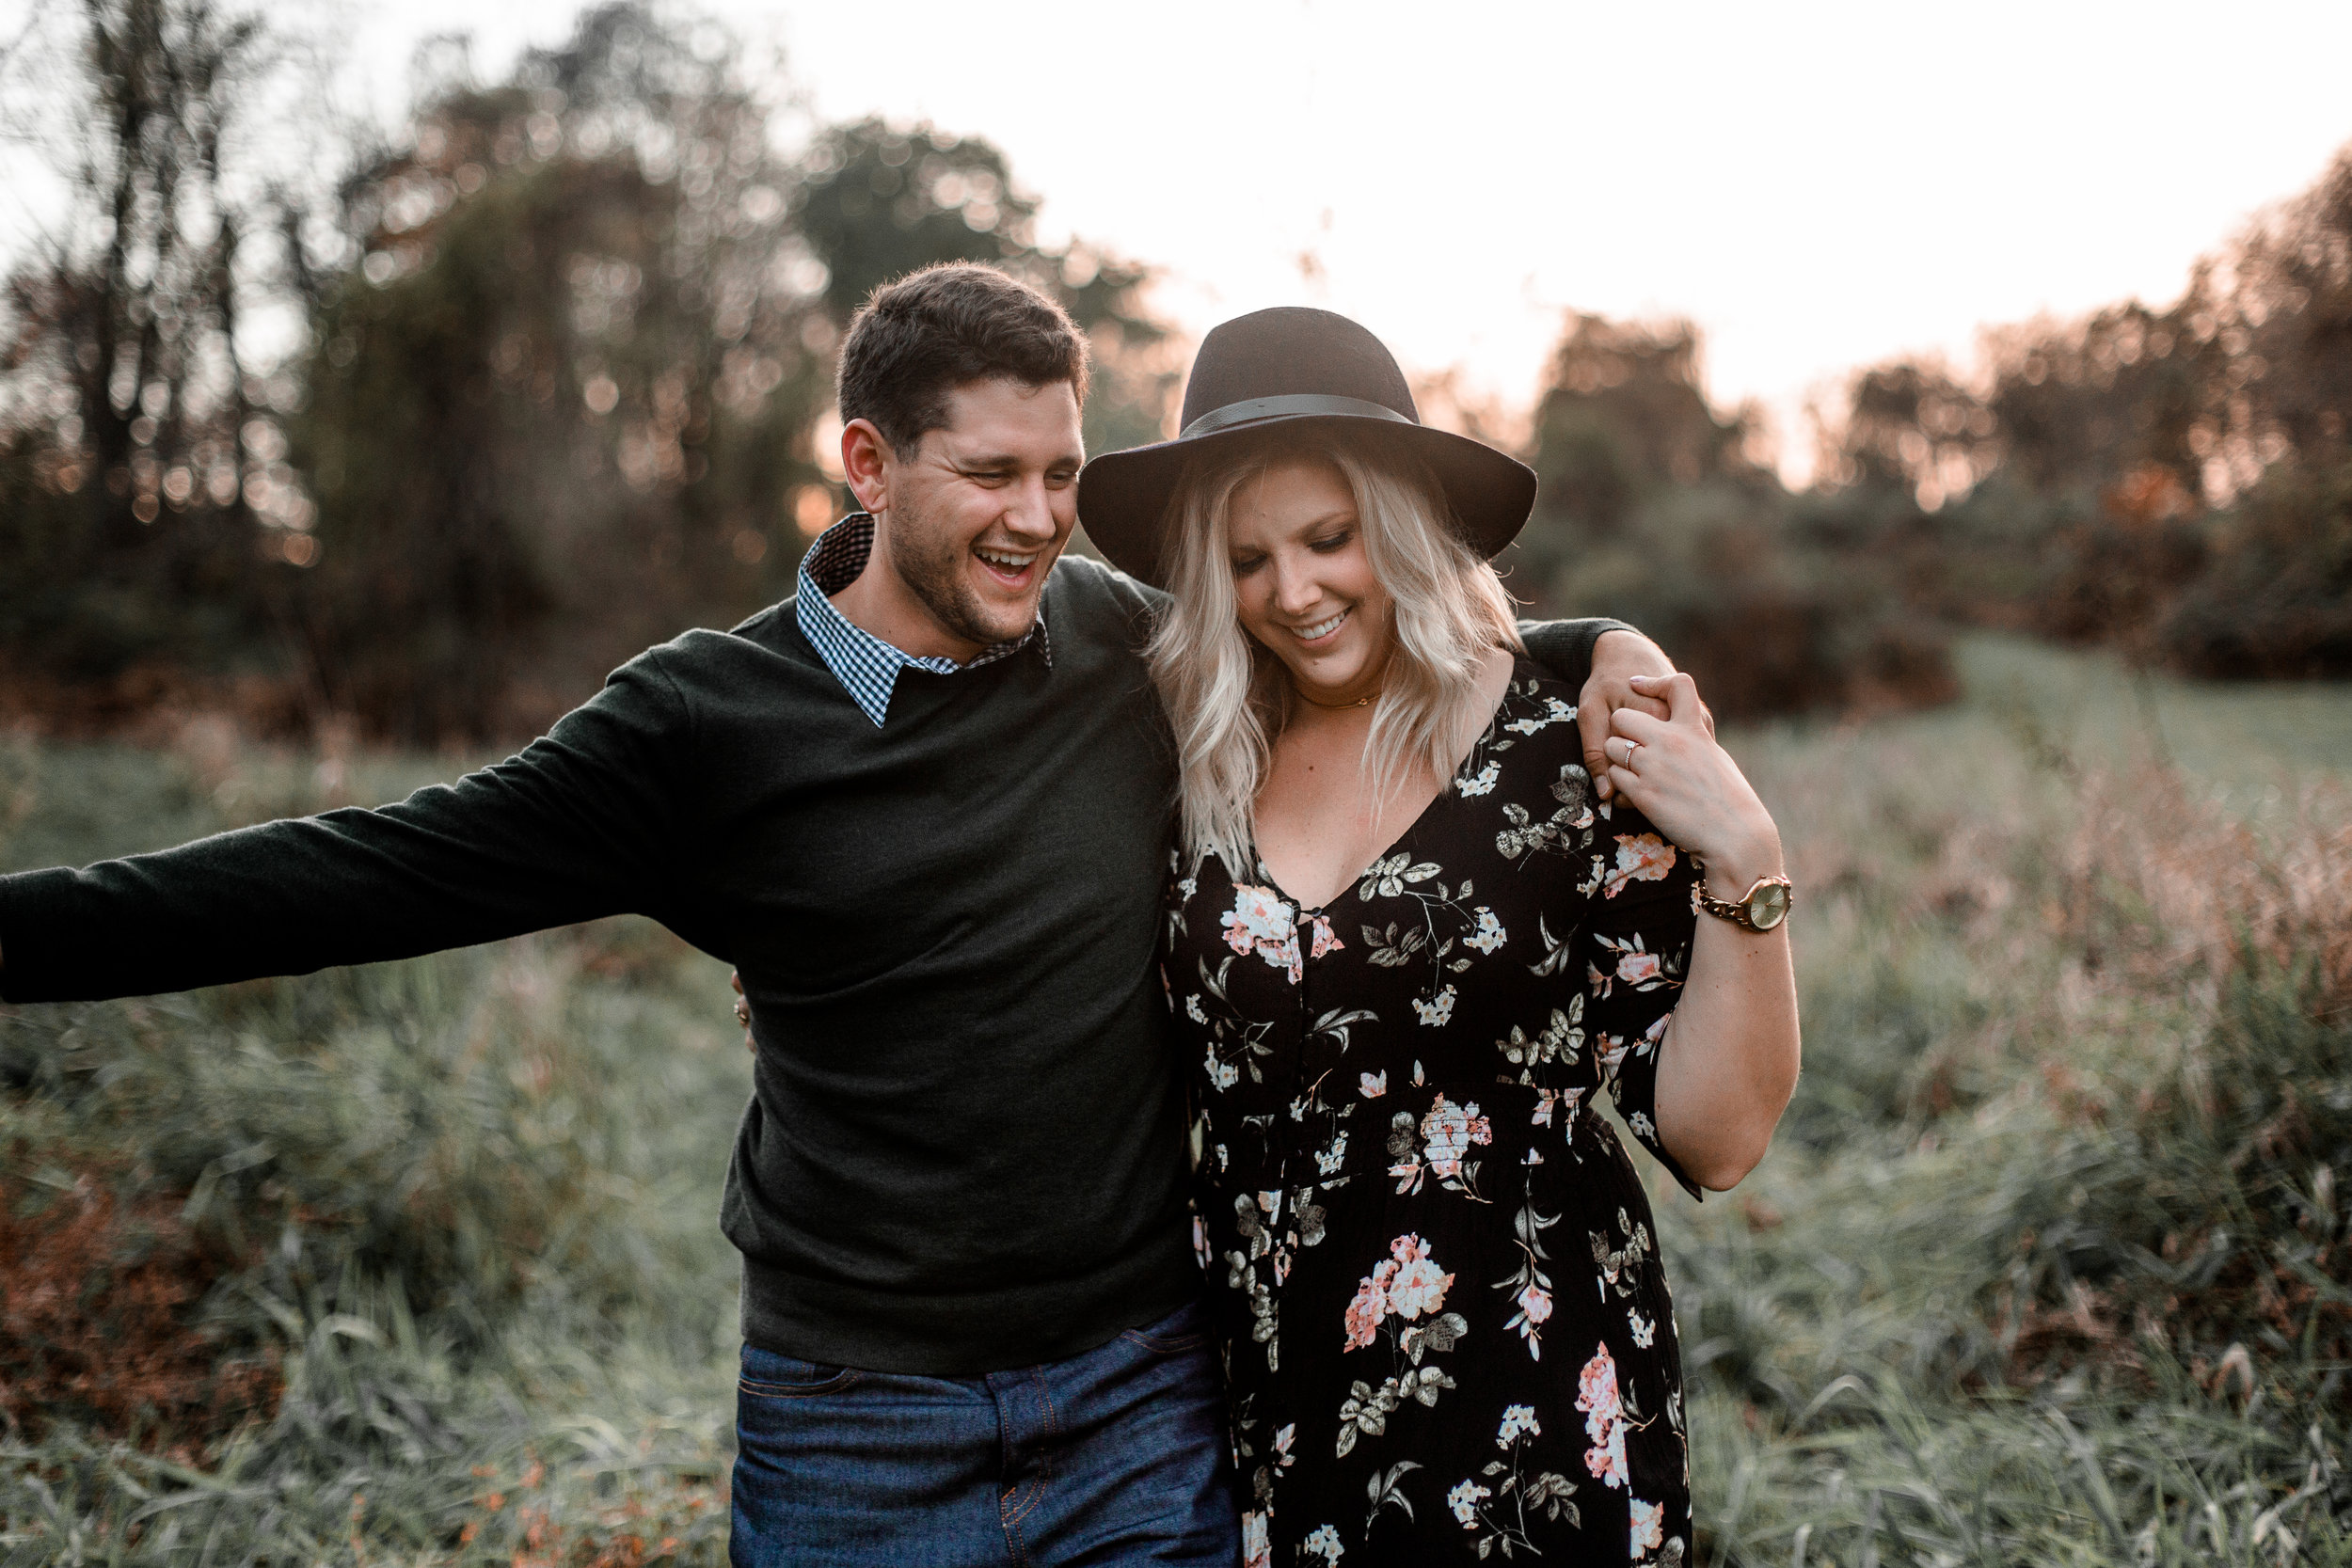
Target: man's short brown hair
(916, 341)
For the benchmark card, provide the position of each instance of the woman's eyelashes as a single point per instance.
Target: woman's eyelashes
(1330, 544)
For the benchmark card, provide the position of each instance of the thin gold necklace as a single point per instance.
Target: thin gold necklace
(1362, 702)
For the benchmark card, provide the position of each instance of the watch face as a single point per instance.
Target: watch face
(1768, 906)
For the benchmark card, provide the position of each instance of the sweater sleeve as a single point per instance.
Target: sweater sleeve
(1565, 647)
(582, 823)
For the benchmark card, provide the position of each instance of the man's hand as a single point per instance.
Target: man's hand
(1618, 657)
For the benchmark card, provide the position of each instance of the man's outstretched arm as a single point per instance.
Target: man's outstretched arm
(582, 823)
(1599, 657)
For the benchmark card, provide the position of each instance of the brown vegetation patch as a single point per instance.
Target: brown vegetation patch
(98, 1300)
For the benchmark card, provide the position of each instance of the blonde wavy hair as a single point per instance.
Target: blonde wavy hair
(1228, 696)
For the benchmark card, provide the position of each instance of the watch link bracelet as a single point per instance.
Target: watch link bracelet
(1764, 906)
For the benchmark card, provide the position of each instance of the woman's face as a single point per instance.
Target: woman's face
(1302, 581)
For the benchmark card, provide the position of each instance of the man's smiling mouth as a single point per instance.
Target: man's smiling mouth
(1009, 565)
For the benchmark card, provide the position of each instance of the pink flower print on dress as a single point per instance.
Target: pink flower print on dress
(1604, 1420)
(1261, 922)
(1370, 1305)
(1535, 1305)
(1648, 1527)
(1638, 968)
(1419, 1286)
(1641, 858)
(1326, 940)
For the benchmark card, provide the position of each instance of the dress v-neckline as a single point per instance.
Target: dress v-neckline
(1445, 788)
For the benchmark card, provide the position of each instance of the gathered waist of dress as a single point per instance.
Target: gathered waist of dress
(1426, 1130)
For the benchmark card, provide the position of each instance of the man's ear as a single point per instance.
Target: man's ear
(866, 462)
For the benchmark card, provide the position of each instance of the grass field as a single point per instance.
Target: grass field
(419, 1263)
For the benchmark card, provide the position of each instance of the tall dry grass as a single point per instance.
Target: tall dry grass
(2050, 1266)
(2049, 1263)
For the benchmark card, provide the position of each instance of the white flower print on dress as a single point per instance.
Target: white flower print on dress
(1328, 1161)
(1261, 922)
(1489, 934)
(1450, 1130)
(1223, 1074)
(1257, 1550)
(1192, 1009)
(1375, 1085)
(1554, 711)
(1463, 1499)
(1324, 1543)
(1417, 1285)
(1642, 1129)
(1517, 1418)
(1483, 784)
(1648, 1527)
(1645, 1332)
(1434, 1014)
(1408, 1284)
(1604, 1420)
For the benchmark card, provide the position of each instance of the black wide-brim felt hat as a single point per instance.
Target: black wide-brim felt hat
(1287, 366)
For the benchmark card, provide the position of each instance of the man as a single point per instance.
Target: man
(922, 807)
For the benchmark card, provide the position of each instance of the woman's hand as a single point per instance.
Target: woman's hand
(1672, 772)
(1620, 658)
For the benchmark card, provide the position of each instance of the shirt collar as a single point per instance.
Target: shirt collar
(868, 667)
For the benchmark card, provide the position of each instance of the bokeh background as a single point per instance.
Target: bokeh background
(1966, 401)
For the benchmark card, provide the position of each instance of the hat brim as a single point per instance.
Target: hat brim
(1123, 496)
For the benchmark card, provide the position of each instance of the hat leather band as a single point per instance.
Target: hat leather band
(1250, 411)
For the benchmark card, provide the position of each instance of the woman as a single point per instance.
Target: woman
(1405, 946)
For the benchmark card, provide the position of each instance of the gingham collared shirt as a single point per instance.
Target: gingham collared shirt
(868, 667)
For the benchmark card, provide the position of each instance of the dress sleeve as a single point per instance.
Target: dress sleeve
(1636, 941)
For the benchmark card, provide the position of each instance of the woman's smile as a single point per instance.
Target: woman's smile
(1321, 631)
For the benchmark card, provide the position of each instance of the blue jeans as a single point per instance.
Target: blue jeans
(1116, 1456)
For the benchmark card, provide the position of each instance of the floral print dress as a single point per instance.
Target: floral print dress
(1431, 1265)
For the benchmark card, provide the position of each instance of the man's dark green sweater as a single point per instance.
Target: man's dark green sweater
(963, 1150)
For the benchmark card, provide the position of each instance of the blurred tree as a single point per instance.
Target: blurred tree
(1623, 414)
(1652, 507)
(559, 398)
(877, 201)
(132, 459)
(1911, 427)
(2146, 469)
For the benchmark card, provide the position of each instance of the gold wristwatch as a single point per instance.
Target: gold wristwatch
(1764, 906)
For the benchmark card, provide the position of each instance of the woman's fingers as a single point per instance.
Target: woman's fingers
(1628, 724)
(1680, 694)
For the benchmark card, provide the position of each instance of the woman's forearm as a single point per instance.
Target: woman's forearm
(1729, 1063)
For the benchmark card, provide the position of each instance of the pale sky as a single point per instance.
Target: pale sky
(1818, 185)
